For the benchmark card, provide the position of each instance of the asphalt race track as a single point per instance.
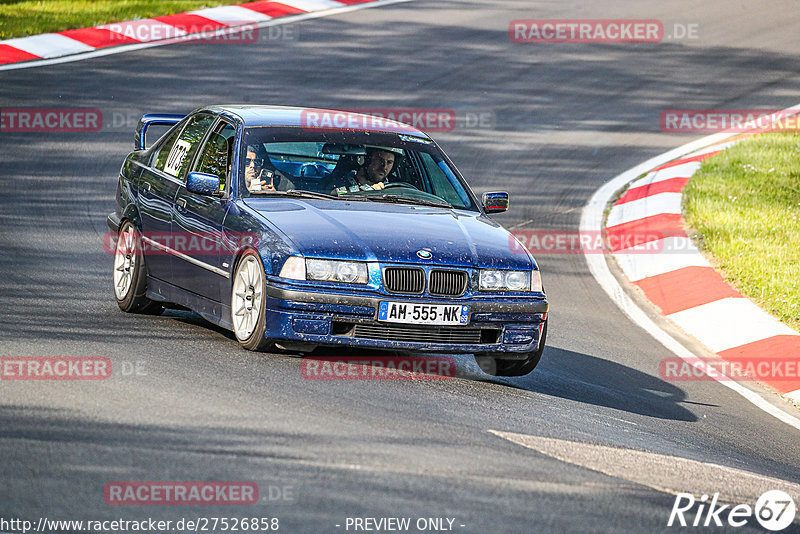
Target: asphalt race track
(565, 118)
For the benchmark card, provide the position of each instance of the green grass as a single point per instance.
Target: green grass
(19, 18)
(743, 207)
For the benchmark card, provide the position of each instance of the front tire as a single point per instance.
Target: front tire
(500, 367)
(130, 274)
(248, 302)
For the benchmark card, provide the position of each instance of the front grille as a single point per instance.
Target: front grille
(447, 283)
(404, 280)
(427, 334)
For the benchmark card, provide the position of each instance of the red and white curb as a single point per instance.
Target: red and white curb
(676, 277)
(71, 45)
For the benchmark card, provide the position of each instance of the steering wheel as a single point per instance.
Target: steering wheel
(308, 170)
(401, 184)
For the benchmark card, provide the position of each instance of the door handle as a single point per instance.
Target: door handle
(181, 202)
(146, 186)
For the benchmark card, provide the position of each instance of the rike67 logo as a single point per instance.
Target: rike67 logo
(774, 510)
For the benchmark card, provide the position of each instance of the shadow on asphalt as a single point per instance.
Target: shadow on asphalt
(569, 375)
(600, 382)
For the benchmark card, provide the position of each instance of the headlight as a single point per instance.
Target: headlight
(318, 270)
(494, 280)
(518, 281)
(491, 280)
(348, 272)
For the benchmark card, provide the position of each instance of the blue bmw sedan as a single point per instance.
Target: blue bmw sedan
(297, 228)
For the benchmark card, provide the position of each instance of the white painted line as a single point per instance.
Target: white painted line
(289, 19)
(231, 15)
(592, 221)
(661, 472)
(667, 255)
(48, 45)
(312, 5)
(794, 395)
(645, 207)
(728, 323)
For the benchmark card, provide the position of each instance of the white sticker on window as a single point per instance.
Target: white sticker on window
(176, 157)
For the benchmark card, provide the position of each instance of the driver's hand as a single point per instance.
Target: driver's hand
(259, 187)
(255, 186)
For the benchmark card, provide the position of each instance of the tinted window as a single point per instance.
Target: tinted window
(166, 146)
(215, 157)
(176, 160)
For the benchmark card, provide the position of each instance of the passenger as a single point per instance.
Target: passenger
(260, 174)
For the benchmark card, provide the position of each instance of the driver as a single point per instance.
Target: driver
(378, 163)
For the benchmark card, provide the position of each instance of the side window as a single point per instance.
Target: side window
(443, 183)
(216, 155)
(175, 161)
(166, 147)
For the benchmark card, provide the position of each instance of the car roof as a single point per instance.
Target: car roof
(317, 118)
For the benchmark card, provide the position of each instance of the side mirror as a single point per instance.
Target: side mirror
(495, 202)
(203, 184)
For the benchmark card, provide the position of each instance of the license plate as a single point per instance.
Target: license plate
(411, 313)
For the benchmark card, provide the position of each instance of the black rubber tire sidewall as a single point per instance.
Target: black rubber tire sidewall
(136, 301)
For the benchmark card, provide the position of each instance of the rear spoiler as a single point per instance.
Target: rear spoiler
(160, 119)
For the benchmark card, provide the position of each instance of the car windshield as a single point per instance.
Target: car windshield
(378, 167)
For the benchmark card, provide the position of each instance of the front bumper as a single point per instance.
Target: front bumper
(509, 328)
(113, 222)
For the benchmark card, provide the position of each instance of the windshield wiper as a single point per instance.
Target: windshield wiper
(294, 193)
(398, 199)
(310, 194)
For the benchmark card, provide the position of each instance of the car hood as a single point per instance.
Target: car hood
(392, 233)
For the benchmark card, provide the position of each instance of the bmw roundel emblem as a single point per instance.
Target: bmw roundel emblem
(424, 254)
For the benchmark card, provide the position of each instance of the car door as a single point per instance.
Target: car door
(203, 267)
(158, 189)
